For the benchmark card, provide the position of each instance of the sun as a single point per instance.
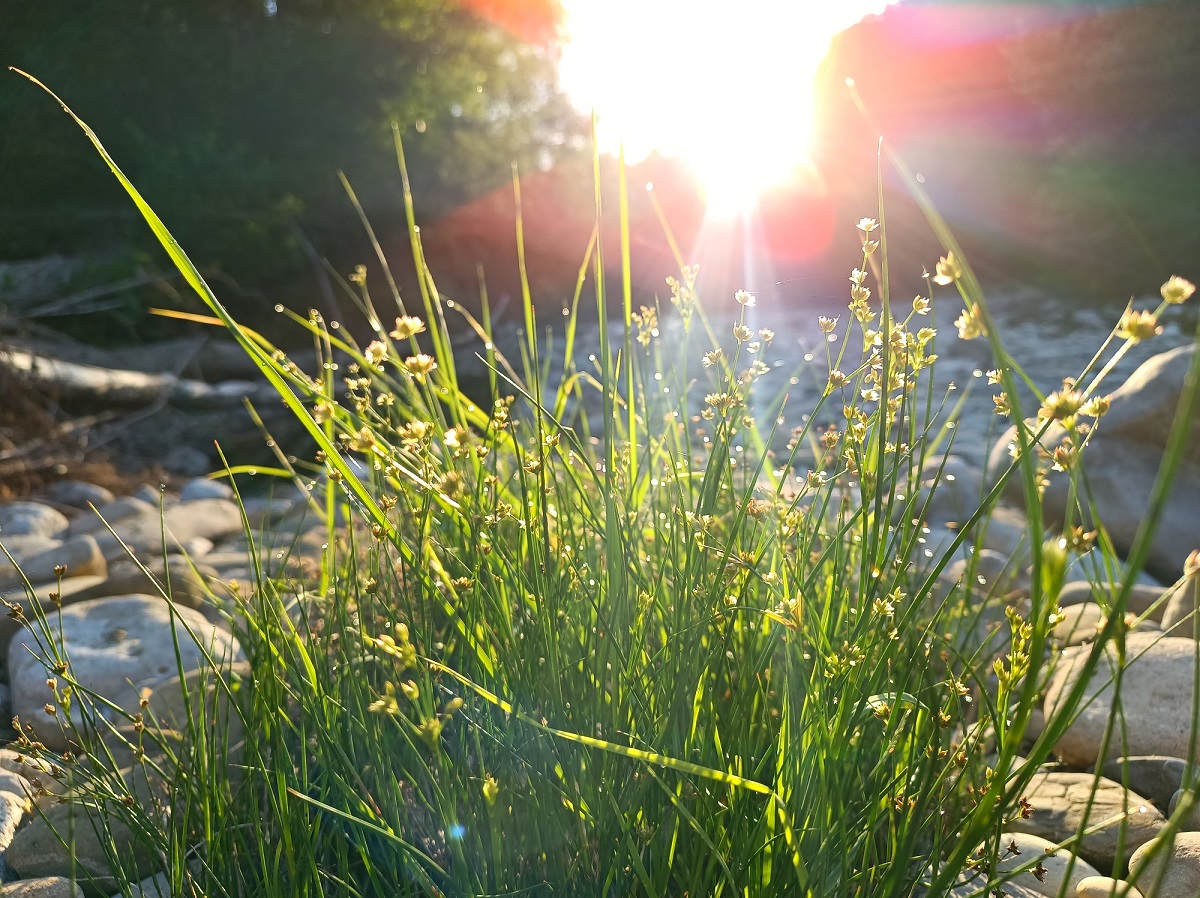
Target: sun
(726, 89)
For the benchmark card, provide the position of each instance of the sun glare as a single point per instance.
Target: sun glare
(727, 89)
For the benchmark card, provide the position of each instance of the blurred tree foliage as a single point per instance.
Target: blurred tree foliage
(233, 117)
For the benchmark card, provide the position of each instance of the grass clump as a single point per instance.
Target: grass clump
(613, 632)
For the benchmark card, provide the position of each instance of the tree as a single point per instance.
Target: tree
(233, 117)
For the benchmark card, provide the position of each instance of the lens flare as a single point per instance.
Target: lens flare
(727, 90)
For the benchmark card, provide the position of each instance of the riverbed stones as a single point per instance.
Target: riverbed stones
(31, 519)
(118, 646)
(79, 494)
(64, 841)
(1047, 879)
(1122, 461)
(156, 886)
(112, 514)
(1104, 887)
(1061, 810)
(203, 488)
(1155, 777)
(1181, 861)
(1156, 699)
(13, 806)
(187, 581)
(1142, 597)
(1180, 616)
(212, 519)
(42, 887)
(79, 556)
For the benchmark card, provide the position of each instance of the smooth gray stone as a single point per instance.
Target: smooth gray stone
(79, 493)
(1156, 777)
(31, 519)
(80, 555)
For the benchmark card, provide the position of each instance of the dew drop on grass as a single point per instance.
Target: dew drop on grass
(278, 307)
(808, 356)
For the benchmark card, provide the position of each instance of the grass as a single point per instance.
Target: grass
(616, 633)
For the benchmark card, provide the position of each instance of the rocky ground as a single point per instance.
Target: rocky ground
(121, 635)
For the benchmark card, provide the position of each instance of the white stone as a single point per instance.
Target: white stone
(117, 647)
(204, 488)
(1156, 699)
(1182, 863)
(31, 519)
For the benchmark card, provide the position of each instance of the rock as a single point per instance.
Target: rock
(1059, 801)
(1155, 777)
(13, 806)
(15, 784)
(212, 519)
(989, 573)
(1033, 847)
(42, 887)
(197, 547)
(156, 886)
(111, 515)
(68, 591)
(38, 849)
(117, 646)
(80, 555)
(1005, 530)
(1182, 603)
(79, 494)
(1142, 598)
(1079, 624)
(265, 510)
(1191, 822)
(1156, 699)
(1181, 861)
(951, 486)
(1122, 461)
(188, 461)
(151, 495)
(31, 519)
(187, 581)
(1105, 887)
(22, 547)
(46, 780)
(204, 488)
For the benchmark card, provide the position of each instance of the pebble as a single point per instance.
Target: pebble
(1191, 822)
(1182, 602)
(79, 493)
(1059, 801)
(80, 555)
(1155, 777)
(203, 488)
(1142, 598)
(1181, 861)
(118, 646)
(42, 887)
(1055, 864)
(156, 886)
(111, 514)
(38, 851)
(187, 580)
(1105, 887)
(12, 808)
(31, 519)
(1156, 699)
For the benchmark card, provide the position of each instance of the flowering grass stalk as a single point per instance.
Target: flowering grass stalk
(625, 660)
